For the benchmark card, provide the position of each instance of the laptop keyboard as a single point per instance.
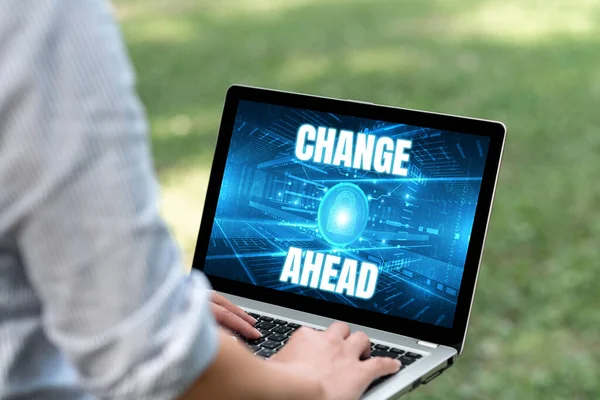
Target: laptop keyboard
(277, 332)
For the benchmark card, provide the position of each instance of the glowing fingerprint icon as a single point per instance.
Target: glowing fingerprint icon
(343, 214)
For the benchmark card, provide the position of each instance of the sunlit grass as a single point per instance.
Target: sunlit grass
(303, 68)
(186, 122)
(129, 9)
(262, 8)
(526, 21)
(385, 59)
(182, 200)
(167, 30)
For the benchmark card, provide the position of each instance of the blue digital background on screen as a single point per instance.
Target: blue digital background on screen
(414, 230)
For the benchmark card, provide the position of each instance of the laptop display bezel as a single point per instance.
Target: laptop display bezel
(440, 335)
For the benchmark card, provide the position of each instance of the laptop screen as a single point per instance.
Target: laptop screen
(369, 214)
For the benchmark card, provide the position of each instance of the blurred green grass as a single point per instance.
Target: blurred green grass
(535, 65)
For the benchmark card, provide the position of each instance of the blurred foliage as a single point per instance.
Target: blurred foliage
(534, 65)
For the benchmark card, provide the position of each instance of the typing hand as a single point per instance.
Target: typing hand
(233, 318)
(332, 359)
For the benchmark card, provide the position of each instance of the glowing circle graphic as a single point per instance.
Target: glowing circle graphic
(343, 214)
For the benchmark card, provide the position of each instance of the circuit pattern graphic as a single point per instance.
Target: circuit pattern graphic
(418, 227)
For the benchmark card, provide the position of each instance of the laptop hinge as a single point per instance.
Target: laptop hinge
(427, 344)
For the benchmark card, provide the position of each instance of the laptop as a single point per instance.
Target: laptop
(320, 209)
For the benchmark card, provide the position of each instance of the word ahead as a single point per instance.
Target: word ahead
(317, 270)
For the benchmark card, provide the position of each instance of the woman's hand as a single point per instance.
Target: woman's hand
(233, 318)
(332, 361)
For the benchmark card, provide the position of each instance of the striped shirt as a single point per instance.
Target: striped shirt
(94, 302)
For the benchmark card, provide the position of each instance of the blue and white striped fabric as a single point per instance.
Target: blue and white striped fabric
(94, 302)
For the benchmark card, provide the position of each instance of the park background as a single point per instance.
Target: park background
(535, 65)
